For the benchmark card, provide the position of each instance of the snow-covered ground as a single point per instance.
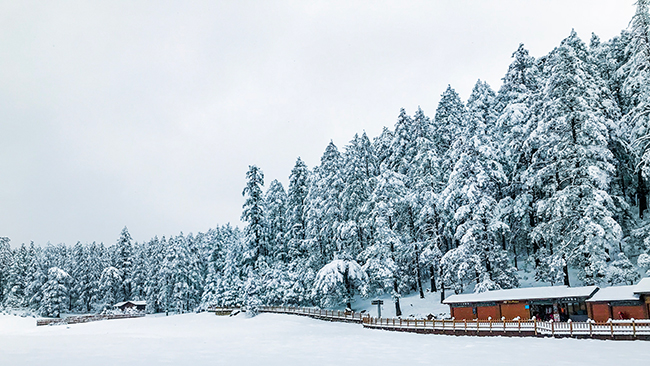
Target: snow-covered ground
(274, 339)
(412, 306)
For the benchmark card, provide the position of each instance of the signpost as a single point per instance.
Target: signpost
(379, 303)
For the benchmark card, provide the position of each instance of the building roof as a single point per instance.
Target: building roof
(136, 303)
(615, 293)
(530, 293)
(643, 287)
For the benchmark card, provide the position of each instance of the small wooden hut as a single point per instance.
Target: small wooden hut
(137, 305)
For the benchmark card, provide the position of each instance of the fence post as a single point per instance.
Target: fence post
(465, 325)
(570, 327)
(535, 323)
(504, 325)
(633, 328)
(611, 326)
(490, 320)
(519, 324)
(552, 328)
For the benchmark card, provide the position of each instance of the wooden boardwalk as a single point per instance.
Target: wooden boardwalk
(614, 330)
(85, 319)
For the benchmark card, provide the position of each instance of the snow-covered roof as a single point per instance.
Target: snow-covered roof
(530, 293)
(615, 293)
(141, 303)
(643, 287)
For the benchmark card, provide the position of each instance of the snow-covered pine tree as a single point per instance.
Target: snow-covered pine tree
(6, 260)
(297, 208)
(337, 281)
(253, 216)
(18, 273)
(359, 173)
(124, 262)
(155, 251)
(514, 103)
(446, 126)
(572, 166)
(622, 272)
(111, 288)
(275, 200)
(324, 213)
(56, 293)
(384, 257)
(472, 194)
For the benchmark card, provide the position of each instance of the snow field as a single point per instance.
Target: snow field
(273, 339)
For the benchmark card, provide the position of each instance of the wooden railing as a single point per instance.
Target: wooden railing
(333, 315)
(613, 329)
(86, 318)
(221, 310)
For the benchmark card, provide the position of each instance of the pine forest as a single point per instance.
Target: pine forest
(546, 175)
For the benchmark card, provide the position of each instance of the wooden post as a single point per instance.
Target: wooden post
(490, 320)
(633, 328)
(535, 323)
(553, 328)
(591, 329)
(443, 325)
(465, 325)
(571, 328)
(519, 324)
(611, 325)
(504, 325)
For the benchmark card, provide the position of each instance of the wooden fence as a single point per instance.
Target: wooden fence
(86, 318)
(616, 329)
(331, 315)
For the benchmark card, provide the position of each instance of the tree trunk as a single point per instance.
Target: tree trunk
(433, 279)
(398, 310)
(442, 291)
(641, 194)
(565, 269)
(417, 271)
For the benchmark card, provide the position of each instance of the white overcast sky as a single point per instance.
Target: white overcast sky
(147, 114)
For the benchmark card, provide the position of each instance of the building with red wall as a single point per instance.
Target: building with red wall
(559, 303)
(621, 302)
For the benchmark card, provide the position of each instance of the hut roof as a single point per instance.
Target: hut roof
(615, 293)
(643, 287)
(530, 293)
(136, 303)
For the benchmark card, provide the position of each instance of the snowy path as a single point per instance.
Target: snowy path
(271, 339)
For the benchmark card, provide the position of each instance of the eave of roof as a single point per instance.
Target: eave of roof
(615, 293)
(643, 287)
(530, 293)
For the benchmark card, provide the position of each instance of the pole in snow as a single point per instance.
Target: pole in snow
(379, 303)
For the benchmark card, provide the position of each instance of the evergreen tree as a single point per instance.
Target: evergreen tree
(56, 293)
(275, 200)
(297, 207)
(110, 288)
(572, 166)
(253, 215)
